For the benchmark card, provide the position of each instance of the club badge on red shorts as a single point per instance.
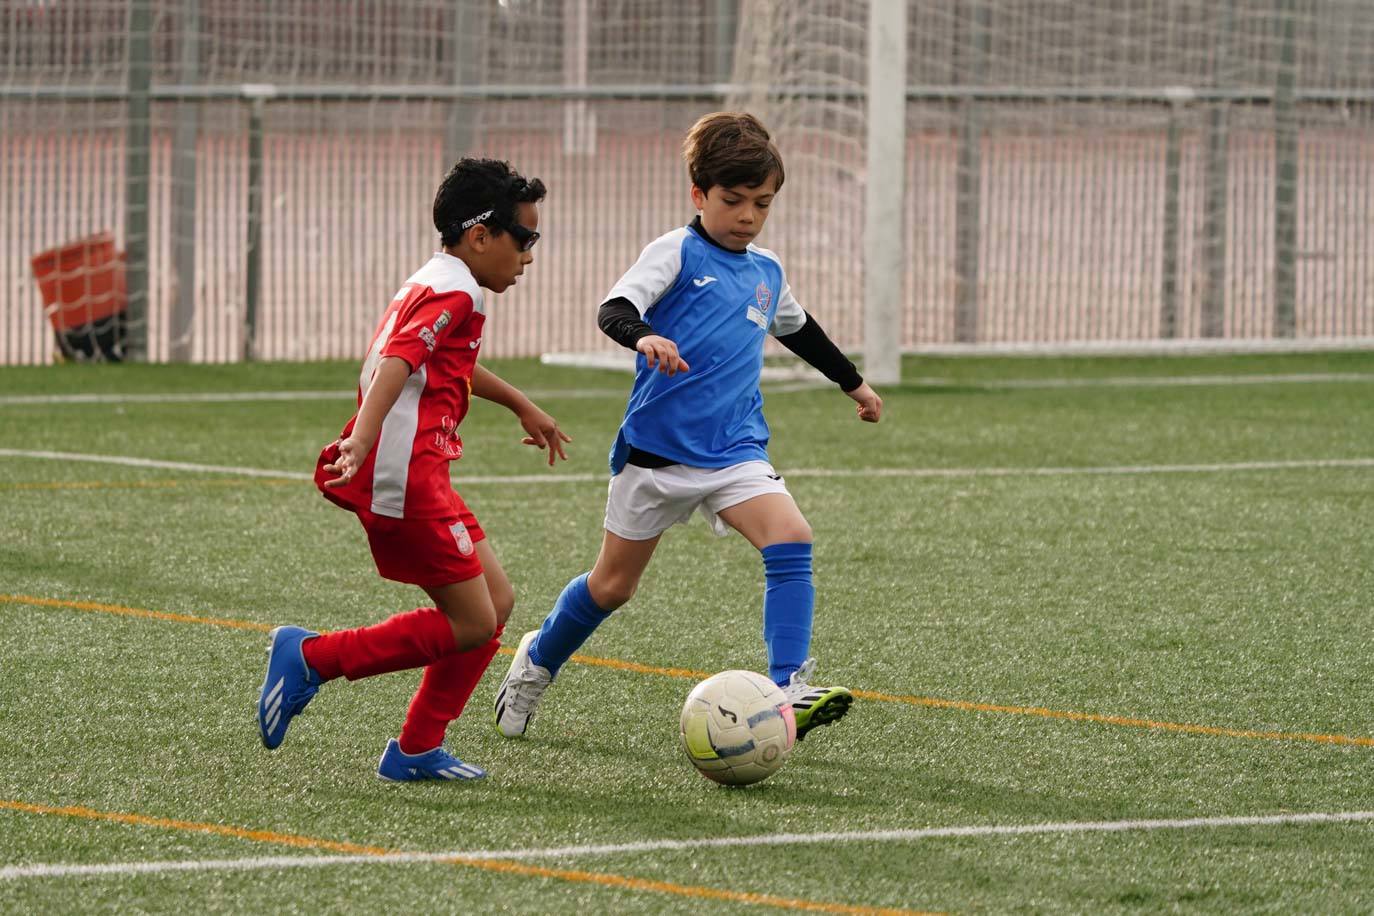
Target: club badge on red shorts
(463, 539)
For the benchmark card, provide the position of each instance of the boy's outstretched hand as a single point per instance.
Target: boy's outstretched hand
(543, 432)
(870, 405)
(352, 454)
(662, 354)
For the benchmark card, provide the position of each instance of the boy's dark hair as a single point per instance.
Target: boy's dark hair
(730, 148)
(481, 191)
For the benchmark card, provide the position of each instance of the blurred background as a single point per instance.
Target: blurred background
(220, 180)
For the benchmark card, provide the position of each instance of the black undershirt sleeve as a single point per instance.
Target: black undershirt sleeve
(619, 320)
(811, 344)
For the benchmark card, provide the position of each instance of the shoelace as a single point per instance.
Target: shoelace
(798, 687)
(520, 701)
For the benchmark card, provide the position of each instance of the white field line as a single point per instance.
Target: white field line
(1120, 381)
(1147, 381)
(1169, 381)
(132, 462)
(554, 477)
(232, 397)
(55, 870)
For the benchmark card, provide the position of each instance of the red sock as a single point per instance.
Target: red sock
(410, 640)
(444, 691)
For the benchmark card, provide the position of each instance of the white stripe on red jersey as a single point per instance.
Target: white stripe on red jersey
(435, 324)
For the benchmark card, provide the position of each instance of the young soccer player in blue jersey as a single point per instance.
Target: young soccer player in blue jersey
(697, 306)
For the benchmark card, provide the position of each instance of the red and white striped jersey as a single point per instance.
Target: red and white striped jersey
(435, 324)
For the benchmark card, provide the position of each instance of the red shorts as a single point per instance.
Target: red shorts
(424, 551)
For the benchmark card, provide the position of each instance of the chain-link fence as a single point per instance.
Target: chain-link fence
(1109, 171)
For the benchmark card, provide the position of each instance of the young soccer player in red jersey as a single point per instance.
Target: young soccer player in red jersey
(390, 467)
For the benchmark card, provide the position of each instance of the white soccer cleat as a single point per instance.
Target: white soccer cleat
(525, 683)
(815, 706)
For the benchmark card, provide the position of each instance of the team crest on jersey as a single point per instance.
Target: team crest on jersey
(763, 296)
(462, 539)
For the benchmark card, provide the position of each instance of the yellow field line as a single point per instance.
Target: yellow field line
(242, 833)
(135, 612)
(967, 706)
(690, 674)
(517, 868)
(1127, 721)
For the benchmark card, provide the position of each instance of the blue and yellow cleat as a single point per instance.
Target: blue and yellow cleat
(397, 766)
(289, 685)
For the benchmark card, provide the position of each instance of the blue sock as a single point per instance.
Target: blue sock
(573, 618)
(789, 600)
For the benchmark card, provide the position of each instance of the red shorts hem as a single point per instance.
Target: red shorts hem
(427, 552)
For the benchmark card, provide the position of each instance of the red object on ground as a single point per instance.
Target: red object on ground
(81, 282)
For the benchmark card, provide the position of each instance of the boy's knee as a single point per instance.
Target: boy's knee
(611, 591)
(790, 531)
(470, 634)
(471, 629)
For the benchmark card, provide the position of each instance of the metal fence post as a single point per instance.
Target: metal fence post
(467, 31)
(253, 268)
(1286, 180)
(1173, 165)
(1214, 216)
(727, 23)
(183, 313)
(969, 186)
(137, 174)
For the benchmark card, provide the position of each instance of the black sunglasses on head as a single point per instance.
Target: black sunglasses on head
(524, 238)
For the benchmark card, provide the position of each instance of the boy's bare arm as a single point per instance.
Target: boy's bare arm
(541, 428)
(381, 396)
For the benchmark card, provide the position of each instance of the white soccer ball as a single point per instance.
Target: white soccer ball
(737, 727)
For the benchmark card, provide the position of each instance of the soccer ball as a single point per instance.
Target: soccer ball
(737, 727)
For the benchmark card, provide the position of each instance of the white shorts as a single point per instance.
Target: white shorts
(645, 502)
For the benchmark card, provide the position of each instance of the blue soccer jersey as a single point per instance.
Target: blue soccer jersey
(716, 305)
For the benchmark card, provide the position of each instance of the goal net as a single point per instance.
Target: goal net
(242, 179)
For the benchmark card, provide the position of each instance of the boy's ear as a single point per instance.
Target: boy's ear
(698, 198)
(478, 236)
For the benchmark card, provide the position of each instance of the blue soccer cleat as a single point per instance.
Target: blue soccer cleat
(397, 766)
(289, 685)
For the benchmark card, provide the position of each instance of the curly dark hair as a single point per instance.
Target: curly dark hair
(730, 148)
(483, 191)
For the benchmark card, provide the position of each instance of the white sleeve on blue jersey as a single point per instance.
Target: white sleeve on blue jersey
(788, 317)
(653, 274)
